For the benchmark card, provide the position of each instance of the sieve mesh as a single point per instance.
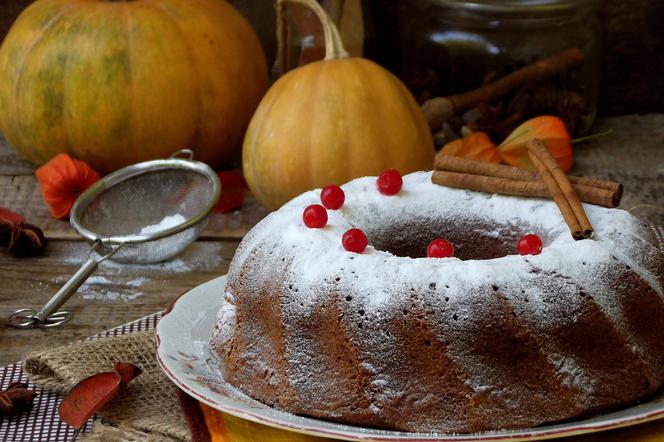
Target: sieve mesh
(144, 213)
(144, 201)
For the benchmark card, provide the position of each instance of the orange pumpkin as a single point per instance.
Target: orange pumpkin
(330, 121)
(116, 82)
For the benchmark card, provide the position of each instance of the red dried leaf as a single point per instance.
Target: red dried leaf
(233, 187)
(11, 216)
(62, 180)
(88, 397)
(92, 393)
(127, 371)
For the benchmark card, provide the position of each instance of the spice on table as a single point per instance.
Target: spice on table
(26, 240)
(23, 239)
(17, 398)
(62, 180)
(88, 396)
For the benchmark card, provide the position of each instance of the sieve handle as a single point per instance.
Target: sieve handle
(45, 317)
(67, 290)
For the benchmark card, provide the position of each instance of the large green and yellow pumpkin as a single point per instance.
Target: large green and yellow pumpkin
(330, 121)
(116, 82)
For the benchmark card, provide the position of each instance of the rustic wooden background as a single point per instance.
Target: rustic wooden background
(117, 293)
(633, 155)
(633, 62)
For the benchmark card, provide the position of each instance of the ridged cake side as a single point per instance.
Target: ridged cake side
(443, 344)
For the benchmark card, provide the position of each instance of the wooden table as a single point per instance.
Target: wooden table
(633, 155)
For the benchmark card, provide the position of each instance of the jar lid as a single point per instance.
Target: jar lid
(496, 13)
(544, 7)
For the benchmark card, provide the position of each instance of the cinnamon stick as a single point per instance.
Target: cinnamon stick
(439, 109)
(590, 190)
(546, 67)
(507, 186)
(561, 189)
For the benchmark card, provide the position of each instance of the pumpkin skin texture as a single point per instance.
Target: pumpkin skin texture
(331, 121)
(119, 82)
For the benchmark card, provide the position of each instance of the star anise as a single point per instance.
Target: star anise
(6, 229)
(15, 399)
(26, 240)
(23, 239)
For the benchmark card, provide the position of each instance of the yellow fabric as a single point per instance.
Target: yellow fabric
(227, 428)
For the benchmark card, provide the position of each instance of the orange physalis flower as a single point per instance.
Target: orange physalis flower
(476, 146)
(62, 180)
(549, 129)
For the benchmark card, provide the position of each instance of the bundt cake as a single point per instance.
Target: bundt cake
(486, 340)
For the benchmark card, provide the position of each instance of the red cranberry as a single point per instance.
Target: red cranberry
(315, 216)
(354, 240)
(390, 182)
(332, 197)
(530, 245)
(440, 248)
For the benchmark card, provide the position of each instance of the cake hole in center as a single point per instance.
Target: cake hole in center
(472, 240)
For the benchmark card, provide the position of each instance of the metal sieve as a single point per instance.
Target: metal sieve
(144, 213)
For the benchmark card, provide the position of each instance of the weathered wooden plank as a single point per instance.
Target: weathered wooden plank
(12, 163)
(22, 194)
(115, 294)
(632, 155)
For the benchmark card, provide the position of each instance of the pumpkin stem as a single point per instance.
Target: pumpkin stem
(334, 47)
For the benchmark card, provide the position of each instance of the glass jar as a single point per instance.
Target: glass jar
(446, 47)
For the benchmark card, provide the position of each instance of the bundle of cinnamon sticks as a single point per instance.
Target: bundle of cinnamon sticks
(548, 181)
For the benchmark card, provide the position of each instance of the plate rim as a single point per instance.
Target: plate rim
(527, 434)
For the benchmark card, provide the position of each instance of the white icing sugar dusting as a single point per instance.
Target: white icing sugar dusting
(198, 257)
(318, 254)
(99, 288)
(573, 375)
(226, 321)
(166, 223)
(542, 294)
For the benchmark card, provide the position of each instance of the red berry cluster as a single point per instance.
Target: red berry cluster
(332, 197)
(389, 183)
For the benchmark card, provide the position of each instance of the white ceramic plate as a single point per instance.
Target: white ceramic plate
(183, 354)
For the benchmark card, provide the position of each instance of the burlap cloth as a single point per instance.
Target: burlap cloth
(147, 411)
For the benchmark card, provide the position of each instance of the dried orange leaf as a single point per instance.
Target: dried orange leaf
(547, 128)
(11, 216)
(62, 180)
(92, 393)
(127, 371)
(452, 148)
(88, 397)
(476, 146)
